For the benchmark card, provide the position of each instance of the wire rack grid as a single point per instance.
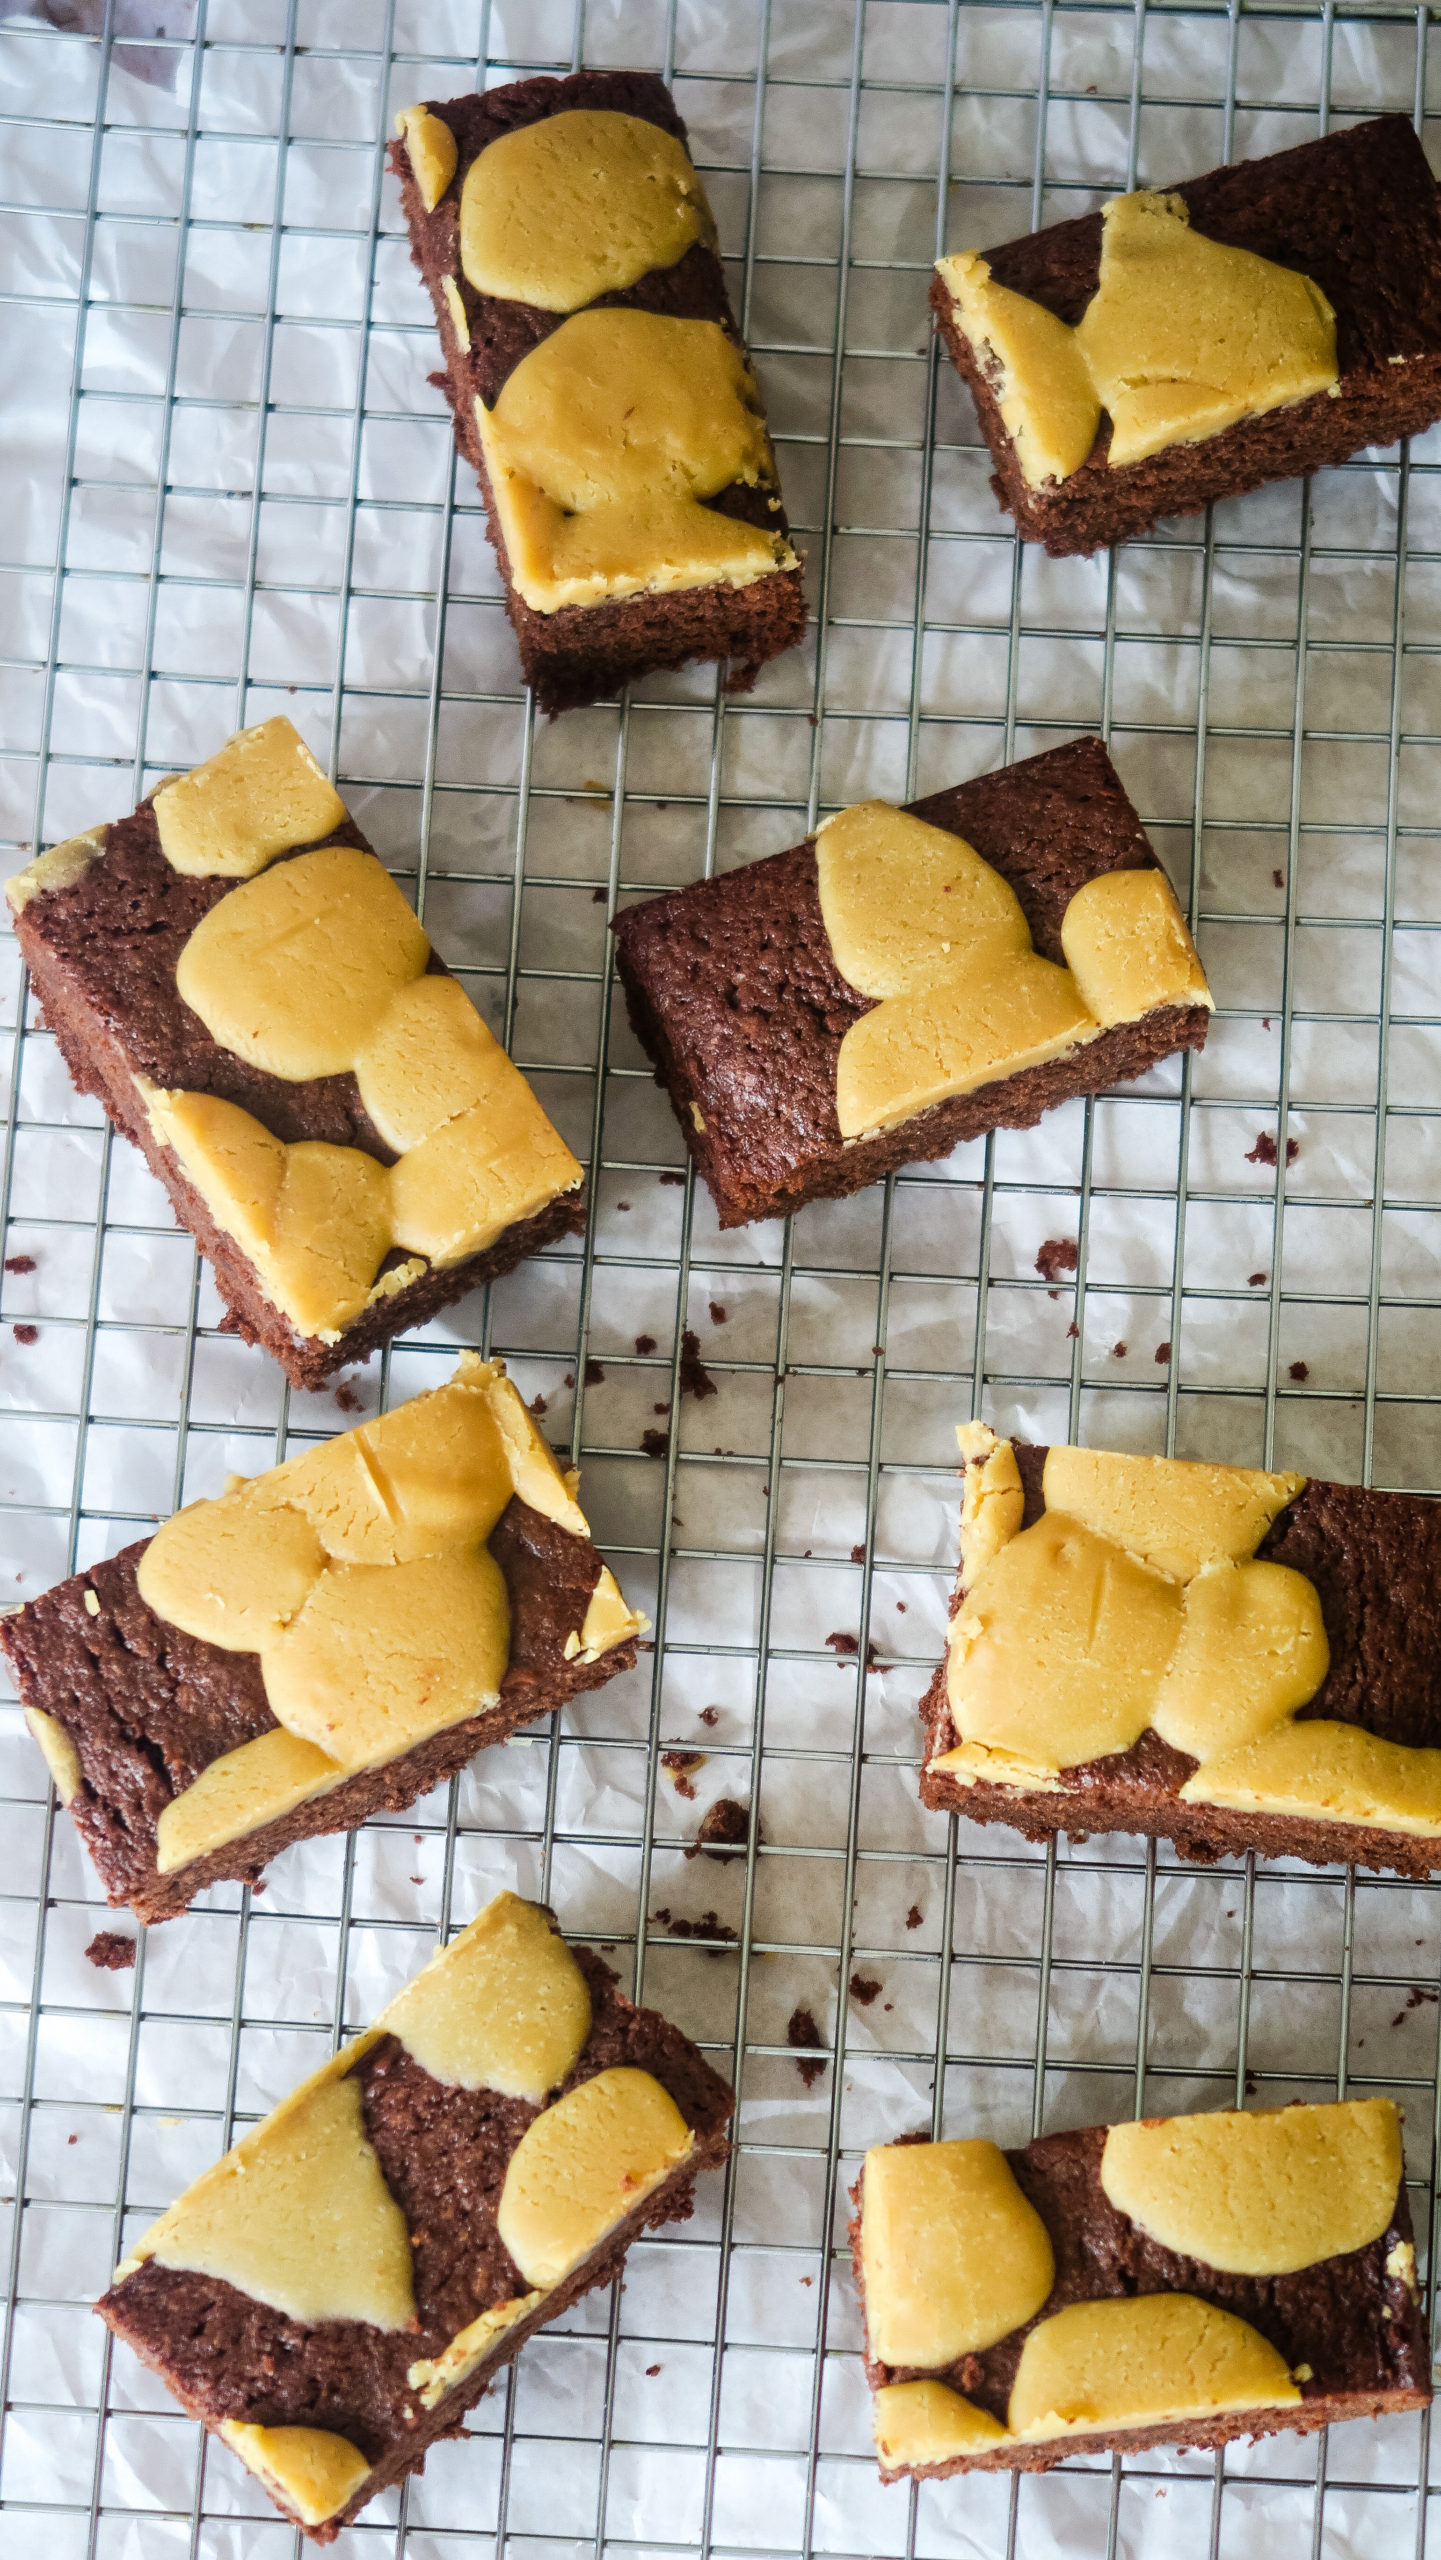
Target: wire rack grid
(232, 493)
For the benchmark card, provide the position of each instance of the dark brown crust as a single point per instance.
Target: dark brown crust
(584, 651)
(148, 1707)
(1357, 212)
(734, 994)
(102, 956)
(1375, 1559)
(443, 2153)
(1358, 2328)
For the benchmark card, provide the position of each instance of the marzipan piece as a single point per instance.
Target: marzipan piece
(504, 2007)
(1263, 2194)
(1182, 338)
(583, 2165)
(1141, 2362)
(917, 919)
(262, 793)
(917, 2423)
(954, 2256)
(582, 203)
(306, 2469)
(603, 444)
(432, 151)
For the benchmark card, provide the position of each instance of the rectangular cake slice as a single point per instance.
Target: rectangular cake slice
(600, 388)
(1223, 1657)
(1182, 2280)
(909, 978)
(1191, 343)
(320, 1643)
(233, 973)
(345, 2284)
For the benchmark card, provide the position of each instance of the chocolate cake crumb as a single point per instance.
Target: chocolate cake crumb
(1413, 2000)
(1057, 1254)
(651, 2371)
(709, 1925)
(1118, 1351)
(19, 1263)
(655, 1444)
(1264, 1150)
(679, 1767)
(1163, 1355)
(839, 1642)
(597, 897)
(1300, 1372)
(717, 1312)
(725, 1830)
(801, 2029)
(538, 1406)
(1257, 1280)
(673, 1181)
(913, 1916)
(695, 1377)
(26, 1333)
(864, 1989)
(347, 1399)
(1073, 1332)
(111, 1950)
(622, 1204)
(1278, 879)
(645, 1345)
(709, 1715)
(594, 1374)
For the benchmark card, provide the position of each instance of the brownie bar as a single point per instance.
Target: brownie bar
(372, 2399)
(1373, 1561)
(103, 947)
(1338, 2330)
(734, 993)
(574, 654)
(1356, 212)
(131, 1708)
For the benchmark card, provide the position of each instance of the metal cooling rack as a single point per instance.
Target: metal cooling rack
(209, 461)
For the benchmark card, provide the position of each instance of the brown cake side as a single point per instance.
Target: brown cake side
(1375, 1561)
(734, 993)
(443, 2152)
(1357, 212)
(574, 655)
(1350, 2327)
(102, 954)
(147, 1707)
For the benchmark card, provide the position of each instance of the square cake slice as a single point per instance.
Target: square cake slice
(319, 1643)
(600, 388)
(345, 2284)
(909, 978)
(1181, 2281)
(1223, 1657)
(1191, 343)
(236, 977)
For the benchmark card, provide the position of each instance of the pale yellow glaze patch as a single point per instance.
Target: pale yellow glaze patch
(459, 1190)
(262, 794)
(292, 971)
(1181, 338)
(60, 868)
(953, 2255)
(358, 1574)
(576, 205)
(259, 1781)
(972, 1764)
(992, 1502)
(429, 1059)
(298, 2214)
(1177, 1514)
(1264, 2194)
(1328, 1773)
(505, 2006)
(585, 2164)
(920, 2423)
(433, 2376)
(609, 1620)
(310, 2471)
(603, 443)
(1128, 949)
(1045, 395)
(917, 919)
(58, 1751)
(1252, 1650)
(1057, 1653)
(1140, 2362)
(431, 150)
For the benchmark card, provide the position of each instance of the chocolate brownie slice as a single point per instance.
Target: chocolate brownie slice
(572, 651)
(114, 929)
(735, 992)
(1274, 1689)
(1183, 2280)
(343, 2287)
(248, 1677)
(1357, 214)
